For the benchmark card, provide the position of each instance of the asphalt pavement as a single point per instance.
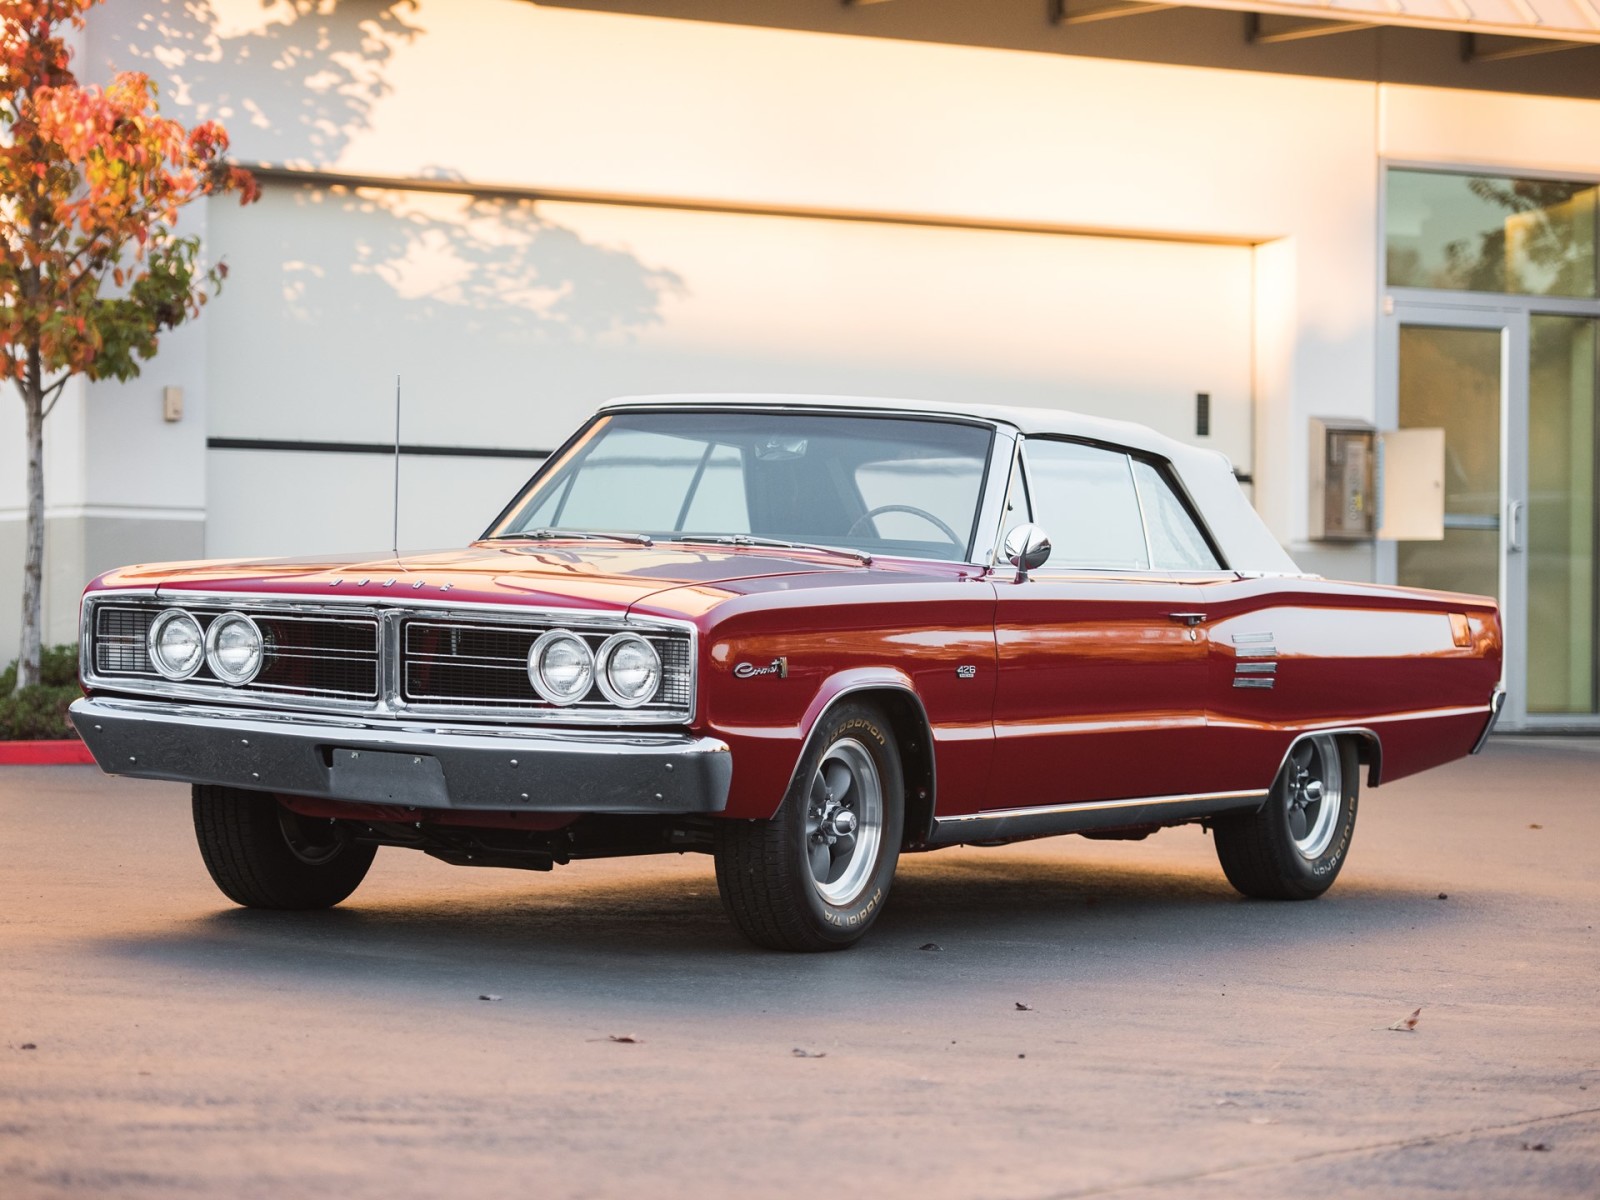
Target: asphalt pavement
(1059, 1018)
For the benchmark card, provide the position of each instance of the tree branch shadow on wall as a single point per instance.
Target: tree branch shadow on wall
(499, 267)
(487, 268)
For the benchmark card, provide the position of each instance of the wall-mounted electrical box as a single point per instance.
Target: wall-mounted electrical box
(1344, 456)
(1366, 484)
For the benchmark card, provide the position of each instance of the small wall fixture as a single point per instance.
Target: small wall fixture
(172, 404)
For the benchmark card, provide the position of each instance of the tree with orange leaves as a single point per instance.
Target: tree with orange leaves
(93, 270)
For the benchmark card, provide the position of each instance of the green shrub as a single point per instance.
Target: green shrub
(37, 713)
(40, 713)
(58, 667)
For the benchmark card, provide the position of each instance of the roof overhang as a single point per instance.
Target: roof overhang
(1557, 20)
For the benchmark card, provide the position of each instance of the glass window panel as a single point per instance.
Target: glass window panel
(939, 489)
(800, 477)
(630, 480)
(1487, 233)
(1176, 543)
(1084, 497)
(1562, 450)
(718, 504)
(1450, 379)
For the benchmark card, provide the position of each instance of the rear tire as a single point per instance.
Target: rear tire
(1294, 845)
(816, 876)
(262, 855)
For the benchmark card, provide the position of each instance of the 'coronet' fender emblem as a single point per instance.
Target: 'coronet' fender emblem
(778, 667)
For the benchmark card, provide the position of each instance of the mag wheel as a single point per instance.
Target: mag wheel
(1293, 846)
(816, 876)
(262, 855)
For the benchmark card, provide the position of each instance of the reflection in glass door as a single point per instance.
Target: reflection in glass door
(1450, 379)
(1563, 393)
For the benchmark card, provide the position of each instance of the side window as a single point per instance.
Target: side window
(1176, 543)
(1084, 497)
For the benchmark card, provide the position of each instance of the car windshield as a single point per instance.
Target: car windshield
(875, 485)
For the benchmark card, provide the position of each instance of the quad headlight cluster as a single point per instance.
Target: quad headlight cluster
(232, 646)
(626, 668)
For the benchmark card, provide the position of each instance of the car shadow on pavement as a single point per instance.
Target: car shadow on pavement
(669, 939)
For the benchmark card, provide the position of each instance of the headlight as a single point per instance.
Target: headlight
(177, 647)
(629, 670)
(234, 648)
(561, 667)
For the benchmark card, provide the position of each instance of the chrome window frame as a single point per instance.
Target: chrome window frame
(1169, 475)
(981, 547)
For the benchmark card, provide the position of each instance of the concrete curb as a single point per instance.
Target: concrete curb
(60, 752)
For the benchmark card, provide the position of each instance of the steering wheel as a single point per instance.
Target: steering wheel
(955, 538)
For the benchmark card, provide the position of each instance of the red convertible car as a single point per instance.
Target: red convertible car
(804, 635)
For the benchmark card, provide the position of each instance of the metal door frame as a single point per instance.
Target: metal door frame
(1512, 324)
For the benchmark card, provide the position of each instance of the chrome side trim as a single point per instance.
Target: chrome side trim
(1099, 806)
(1000, 825)
(1496, 703)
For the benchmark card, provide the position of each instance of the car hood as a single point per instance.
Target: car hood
(556, 574)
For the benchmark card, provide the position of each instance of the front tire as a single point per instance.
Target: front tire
(262, 855)
(1293, 846)
(816, 876)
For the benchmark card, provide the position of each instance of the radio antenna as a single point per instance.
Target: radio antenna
(396, 538)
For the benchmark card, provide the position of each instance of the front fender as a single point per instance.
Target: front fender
(765, 757)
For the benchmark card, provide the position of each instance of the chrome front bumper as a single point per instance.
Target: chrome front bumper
(421, 765)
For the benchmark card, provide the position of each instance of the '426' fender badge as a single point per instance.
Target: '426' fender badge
(778, 667)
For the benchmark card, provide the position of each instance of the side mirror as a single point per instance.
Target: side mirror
(1027, 547)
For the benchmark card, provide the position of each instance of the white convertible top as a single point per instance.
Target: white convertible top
(1206, 474)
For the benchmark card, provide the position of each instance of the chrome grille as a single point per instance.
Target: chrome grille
(119, 641)
(326, 657)
(461, 663)
(384, 661)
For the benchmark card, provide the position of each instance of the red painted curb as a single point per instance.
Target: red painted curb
(44, 754)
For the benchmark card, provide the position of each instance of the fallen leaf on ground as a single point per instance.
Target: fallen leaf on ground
(29, 1046)
(1444, 895)
(1536, 1145)
(1535, 826)
(627, 1039)
(1409, 1024)
(1021, 1007)
(930, 946)
(488, 996)
(799, 1053)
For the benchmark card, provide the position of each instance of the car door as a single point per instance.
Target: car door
(1101, 688)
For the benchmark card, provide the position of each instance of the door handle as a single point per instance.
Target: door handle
(1514, 526)
(1187, 618)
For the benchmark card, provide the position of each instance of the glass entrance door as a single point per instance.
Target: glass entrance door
(1516, 395)
(1563, 392)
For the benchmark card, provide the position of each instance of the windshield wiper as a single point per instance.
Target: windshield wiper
(745, 539)
(545, 535)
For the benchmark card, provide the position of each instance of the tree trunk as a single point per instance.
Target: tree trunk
(33, 560)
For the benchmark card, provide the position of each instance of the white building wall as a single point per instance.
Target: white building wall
(504, 92)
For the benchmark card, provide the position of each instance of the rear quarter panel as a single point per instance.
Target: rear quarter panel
(1346, 654)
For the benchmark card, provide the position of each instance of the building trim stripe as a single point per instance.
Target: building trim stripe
(297, 446)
